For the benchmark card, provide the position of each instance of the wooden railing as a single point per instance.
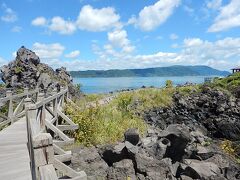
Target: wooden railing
(45, 137)
(14, 105)
(46, 124)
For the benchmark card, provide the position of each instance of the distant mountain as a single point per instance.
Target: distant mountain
(148, 72)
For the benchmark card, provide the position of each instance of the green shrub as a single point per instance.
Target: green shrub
(100, 125)
(229, 83)
(78, 86)
(169, 84)
(18, 69)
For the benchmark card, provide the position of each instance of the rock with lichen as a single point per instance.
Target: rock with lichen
(26, 71)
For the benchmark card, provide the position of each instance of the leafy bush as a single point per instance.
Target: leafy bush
(105, 124)
(78, 86)
(231, 148)
(169, 84)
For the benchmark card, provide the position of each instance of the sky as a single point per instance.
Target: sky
(118, 34)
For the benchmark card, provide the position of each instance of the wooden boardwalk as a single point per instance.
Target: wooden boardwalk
(14, 156)
(27, 150)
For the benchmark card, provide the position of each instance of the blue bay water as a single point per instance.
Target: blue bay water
(105, 85)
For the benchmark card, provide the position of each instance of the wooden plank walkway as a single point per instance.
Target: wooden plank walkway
(42, 115)
(14, 154)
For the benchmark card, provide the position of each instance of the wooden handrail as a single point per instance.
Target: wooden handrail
(20, 95)
(42, 116)
(15, 111)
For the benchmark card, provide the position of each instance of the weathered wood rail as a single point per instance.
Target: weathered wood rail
(45, 126)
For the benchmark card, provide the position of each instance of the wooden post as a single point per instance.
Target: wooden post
(62, 97)
(55, 106)
(44, 157)
(27, 102)
(10, 106)
(43, 112)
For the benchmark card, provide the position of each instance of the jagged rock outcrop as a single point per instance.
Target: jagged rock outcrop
(215, 112)
(27, 71)
(172, 154)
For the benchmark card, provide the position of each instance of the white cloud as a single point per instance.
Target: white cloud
(229, 17)
(39, 21)
(118, 38)
(58, 24)
(73, 54)
(92, 19)
(48, 51)
(16, 29)
(150, 17)
(2, 62)
(173, 36)
(214, 4)
(221, 54)
(14, 54)
(89, 19)
(9, 14)
(191, 42)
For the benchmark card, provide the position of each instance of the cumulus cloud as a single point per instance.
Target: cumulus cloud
(229, 17)
(62, 26)
(48, 51)
(221, 54)
(118, 38)
(117, 47)
(39, 21)
(92, 19)
(73, 54)
(89, 19)
(150, 17)
(57, 24)
(9, 14)
(2, 61)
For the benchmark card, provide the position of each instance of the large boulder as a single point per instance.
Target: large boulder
(132, 136)
(201, 170)
(89, 160)
(122, 170)
(27, 71)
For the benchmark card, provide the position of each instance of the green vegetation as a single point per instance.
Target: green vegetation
(78, 86)
(231, 148)
(18, 69)
(100, 124)
(2, 85)
(169, 84)
(229, 83)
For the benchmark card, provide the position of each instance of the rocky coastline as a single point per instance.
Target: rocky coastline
(197, 137)
(183, 142)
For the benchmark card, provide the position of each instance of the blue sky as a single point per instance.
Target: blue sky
(116, 34)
